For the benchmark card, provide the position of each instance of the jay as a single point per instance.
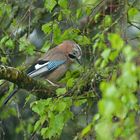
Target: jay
(54, 64)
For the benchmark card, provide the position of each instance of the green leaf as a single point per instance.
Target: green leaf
(132, 12)
(109, 90)
(105, 54)
(9, 43)
(30, 49)
(107, 21)
(27, 99)
(47, 28)
(1, 13)
(66, 12)
(70, 83)
(107, 107)
(128, 79)
(86, 130)
(103, 130)
(113, 55)
(40, 122)
(103, 63)
(129, 53)
(70, 34)
(3, 60)
(56, 33)
(50, 4)
(79, 13)
(96, 117)
(97, 17)
(40, 106)
(61, 91)
(46, 46)
(83, 40)
(56, 124)
(63, 3)
(4, 39)
(60, 17)
(80, 102)
(61, 106)
(116, 41)
(37, 125)
(88, 2)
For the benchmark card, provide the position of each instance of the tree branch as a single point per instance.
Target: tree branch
(41, 89)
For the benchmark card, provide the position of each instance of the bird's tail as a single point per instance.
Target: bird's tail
(10, 96)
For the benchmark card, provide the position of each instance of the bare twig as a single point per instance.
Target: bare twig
(134, 25)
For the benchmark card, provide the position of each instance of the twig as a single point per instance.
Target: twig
(134, 25)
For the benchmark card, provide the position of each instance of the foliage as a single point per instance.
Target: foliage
(118, 99)
(100, 99)
(55, 112)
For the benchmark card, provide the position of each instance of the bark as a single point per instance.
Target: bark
(39, 88)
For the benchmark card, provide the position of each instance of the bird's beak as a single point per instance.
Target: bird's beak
(78, 60)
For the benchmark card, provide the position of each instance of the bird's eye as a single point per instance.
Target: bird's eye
(74, 53)
(72, 56)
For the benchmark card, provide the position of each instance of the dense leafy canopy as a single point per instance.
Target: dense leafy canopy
(100, 99)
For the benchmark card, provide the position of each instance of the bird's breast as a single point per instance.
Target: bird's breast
(58, 73)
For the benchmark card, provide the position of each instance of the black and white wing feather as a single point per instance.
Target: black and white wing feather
(44, 67)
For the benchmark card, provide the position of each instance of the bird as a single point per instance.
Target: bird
(54, 63)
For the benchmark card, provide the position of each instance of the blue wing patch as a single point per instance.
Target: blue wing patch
(46, 67)
(54, 64)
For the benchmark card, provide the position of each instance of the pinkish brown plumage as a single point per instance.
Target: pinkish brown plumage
(67, 52)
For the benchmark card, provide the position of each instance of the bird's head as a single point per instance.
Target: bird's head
(72, 50)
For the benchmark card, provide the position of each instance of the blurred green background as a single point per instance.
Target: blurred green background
(104, 96)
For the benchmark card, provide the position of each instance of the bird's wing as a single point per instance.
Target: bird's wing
(44, 67)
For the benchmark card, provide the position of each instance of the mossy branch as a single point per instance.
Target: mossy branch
(40, 88)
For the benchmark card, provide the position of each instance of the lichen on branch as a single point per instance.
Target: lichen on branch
(39, 88)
